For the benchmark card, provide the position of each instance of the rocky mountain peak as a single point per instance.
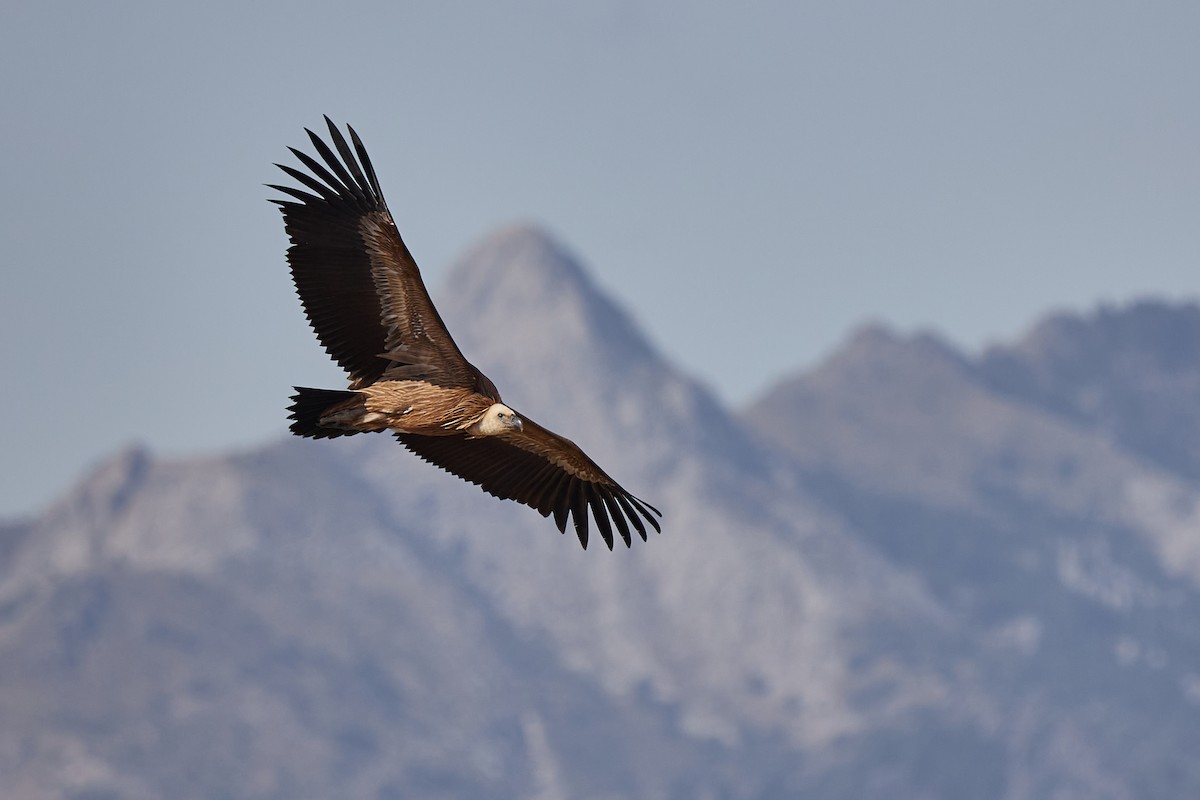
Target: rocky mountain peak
(521, 296)
(561, 350)
(875, 363)
(521, 256)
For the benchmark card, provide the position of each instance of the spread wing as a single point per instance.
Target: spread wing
(543, 470)
(361, 289)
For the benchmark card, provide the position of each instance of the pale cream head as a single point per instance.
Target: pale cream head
(498, 419)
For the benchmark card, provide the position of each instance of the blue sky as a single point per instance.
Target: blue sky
(751, 182)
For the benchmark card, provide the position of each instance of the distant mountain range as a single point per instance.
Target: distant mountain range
(909, 573)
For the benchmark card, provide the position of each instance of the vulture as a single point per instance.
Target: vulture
(364, 297)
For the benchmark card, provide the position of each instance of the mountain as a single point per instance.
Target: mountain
(1071, 554)
(909, 573)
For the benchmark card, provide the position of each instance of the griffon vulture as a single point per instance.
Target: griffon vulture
(364, 297)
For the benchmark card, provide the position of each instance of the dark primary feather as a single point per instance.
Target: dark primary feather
(330, 260)
(503, 470)
(331, 266)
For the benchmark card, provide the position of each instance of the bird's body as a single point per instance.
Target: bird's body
(363, 295)
(408, 406)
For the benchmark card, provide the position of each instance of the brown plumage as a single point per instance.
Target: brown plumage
(363, 295)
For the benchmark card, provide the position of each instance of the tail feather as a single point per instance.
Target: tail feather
(307, 407)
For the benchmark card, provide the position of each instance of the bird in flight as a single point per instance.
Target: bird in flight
(364, 297)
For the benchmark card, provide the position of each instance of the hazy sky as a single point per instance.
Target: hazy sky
(750, 181)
